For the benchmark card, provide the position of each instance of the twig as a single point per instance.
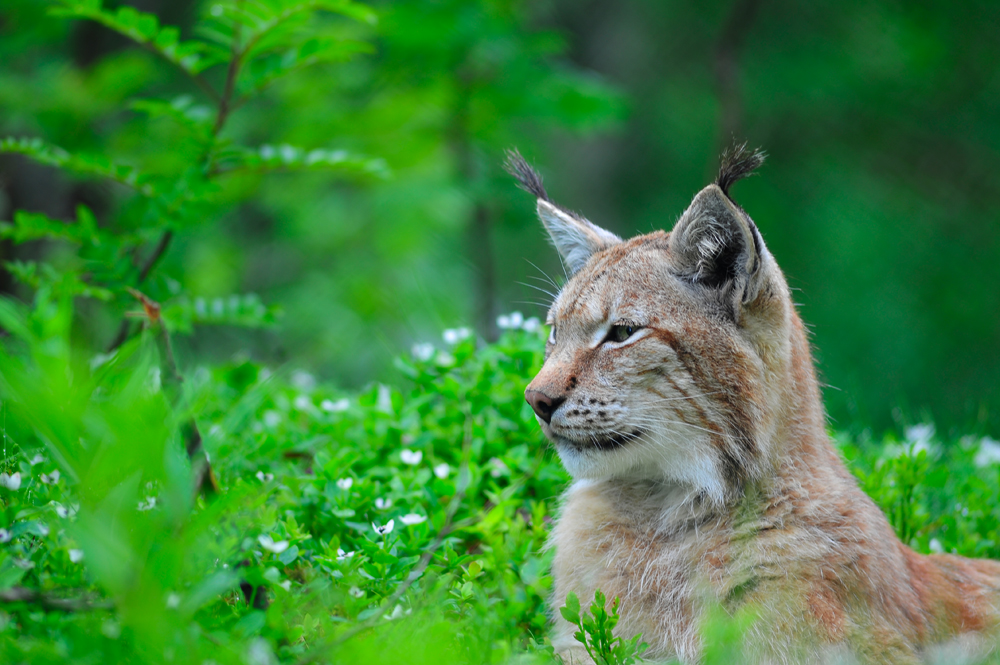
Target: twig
(204, 479)
(50, 602)
(147, 267)
(231, 74)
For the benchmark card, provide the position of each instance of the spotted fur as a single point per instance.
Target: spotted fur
(702, 470)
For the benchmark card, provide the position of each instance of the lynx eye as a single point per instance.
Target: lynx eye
(552, 335)
(621, 332)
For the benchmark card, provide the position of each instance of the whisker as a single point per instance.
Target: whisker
(538, 288)
(674, 399)
(544, 274)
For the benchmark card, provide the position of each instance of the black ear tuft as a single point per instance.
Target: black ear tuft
(528, 178)
(738, 162)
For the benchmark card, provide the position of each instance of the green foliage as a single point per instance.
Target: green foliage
(595, 631)
(367, 520)
(257, 42)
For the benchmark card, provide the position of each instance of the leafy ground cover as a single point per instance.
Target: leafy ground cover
(402, 523)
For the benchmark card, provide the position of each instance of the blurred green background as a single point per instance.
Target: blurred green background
(879, 199)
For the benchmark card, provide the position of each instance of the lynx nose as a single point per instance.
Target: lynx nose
(543, 405)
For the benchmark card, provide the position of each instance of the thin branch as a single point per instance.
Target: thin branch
(231, 75)
(49, 601)
(147, 267)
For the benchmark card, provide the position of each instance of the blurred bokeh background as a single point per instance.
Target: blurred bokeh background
(879, 199)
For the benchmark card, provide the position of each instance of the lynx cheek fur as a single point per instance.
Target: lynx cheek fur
(679, 392)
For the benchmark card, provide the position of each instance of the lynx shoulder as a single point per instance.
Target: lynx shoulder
(679, 392)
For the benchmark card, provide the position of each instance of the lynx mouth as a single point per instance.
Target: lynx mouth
(604, 441)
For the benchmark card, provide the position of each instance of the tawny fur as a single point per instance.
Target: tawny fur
(703, 471)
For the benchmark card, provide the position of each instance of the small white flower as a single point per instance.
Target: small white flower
(37, 459)
(383, 504)
(455, 335)
(988, 453)
(334, 407)
(286, 585)
(396, 613)
(61, 510)
(498, 468)
(272, 418)
(24, 564)
(11, 482)
(345, 483)
(147, 504)
(922, 433)
(76, 556)
(423, 351)
(303, 403)
(111, 629)
(173, 600)
(50, 478)
(442, 470)
(356, 592)
(410, 457)
(43, 529)
(264, 477)
(384, 401)
(303, 380)
(508, 321)
(935, 546)
(531, 325)
(344, 556)
(5, 536)
(268, 544)
(385, 529)
(412, 518)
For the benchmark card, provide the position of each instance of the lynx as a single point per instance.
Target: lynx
(678, 390)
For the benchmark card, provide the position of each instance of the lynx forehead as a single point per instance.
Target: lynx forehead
(679, 392)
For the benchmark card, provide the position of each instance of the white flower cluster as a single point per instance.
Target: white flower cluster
(411, 457)
(455, 335)
(11, 482)
(385, 529)
(268, 544)
(516, 320)
(988, 453)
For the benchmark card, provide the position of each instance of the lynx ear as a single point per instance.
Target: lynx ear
(574, 238)
(717, 245)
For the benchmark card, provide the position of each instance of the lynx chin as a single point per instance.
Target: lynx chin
(678, 390)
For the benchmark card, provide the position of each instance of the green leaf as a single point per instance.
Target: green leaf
(286, 158)
(243, 310)
(573, 607)
(197, 118)
(79, 163)
(266, 67)
(36, 226)
(192, 56)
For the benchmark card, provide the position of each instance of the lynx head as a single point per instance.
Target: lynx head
(669, 353)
